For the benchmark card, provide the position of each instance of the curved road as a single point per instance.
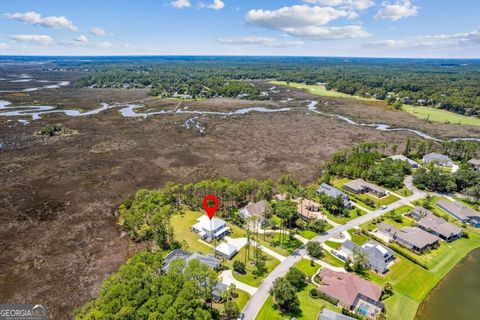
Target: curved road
(257, 300)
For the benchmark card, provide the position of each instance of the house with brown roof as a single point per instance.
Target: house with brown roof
(360, 186)
(352, 292)
(437, 226)
(462, 212)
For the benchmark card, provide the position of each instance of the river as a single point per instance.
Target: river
(457, 296)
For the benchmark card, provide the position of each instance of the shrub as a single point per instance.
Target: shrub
(239, 267)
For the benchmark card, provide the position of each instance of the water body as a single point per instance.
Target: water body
(457, 296)
(131, 111)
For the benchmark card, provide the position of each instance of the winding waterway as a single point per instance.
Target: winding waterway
(457, 296)
(131, 110)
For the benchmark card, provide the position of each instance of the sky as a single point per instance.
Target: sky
(360, 28)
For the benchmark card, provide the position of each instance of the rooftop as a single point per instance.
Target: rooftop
(436, 157)
(360, 184)
(256, 209)
(475, 162)
(439, 225)
(332, 315)
(416, 236)
(460, 210)
(331, 191)
(183, 255)
(204, 223)
(401, 157)
(346, 287)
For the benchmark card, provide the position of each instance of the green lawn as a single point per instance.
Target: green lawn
(242, 298)
(181, 225)
(331, 259)
(358, 237)
(249, 278)
(306, 267)
(439, 115)
(319, 90)
(400, 307)
(354, 213)
(333, 244)
(406, 222)
(307, 234)
(403, 191)
(272, 241)
(310, 308)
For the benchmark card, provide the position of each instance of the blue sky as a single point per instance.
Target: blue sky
(385, 28)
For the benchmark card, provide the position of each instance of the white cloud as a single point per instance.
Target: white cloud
(398, 10)
(81, 38)
(35, 38)
(256, 40)
(435, 41)
(307, 21)
(347, 4)
(34, 18)
(319, 33)
(4, 46)
(179, 4)
(99, 31)
(216, 5)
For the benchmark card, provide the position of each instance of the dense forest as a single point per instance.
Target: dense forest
(448, 84)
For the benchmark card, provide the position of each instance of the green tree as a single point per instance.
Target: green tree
(239, 266)
(297, 278)
(285, 295)
(230, 310)
(315, 249)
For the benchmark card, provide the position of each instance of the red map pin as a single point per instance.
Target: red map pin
(210, 210)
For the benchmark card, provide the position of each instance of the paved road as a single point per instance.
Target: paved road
(256, 301)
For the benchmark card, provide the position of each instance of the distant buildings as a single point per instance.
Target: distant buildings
(438, 159)
(462, 212)
(183, 255)
(413, 238)
(360, 186)
(437, 226)
(334, 193)
(352, 292)
(401, 157)
(475, 163)
(210, 229)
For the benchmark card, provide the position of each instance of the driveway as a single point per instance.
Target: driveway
(227, 278)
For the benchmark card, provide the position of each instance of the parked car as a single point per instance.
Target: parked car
(383, 207)
(241, 316)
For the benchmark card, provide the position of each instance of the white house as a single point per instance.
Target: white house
(210, 229)
(226, 250)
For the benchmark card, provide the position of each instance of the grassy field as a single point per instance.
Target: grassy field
(354, 213)
(242, 298)
(358, 237)
(306, 267)
(181, 226)
(439, 115)
(307, 234)
(333, 244)
(319, 90)
(310, 308)
(272, 241)
(427, 113)
(249, 278)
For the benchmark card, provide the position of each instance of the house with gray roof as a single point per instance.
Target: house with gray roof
(379, 257)
(401, 157)
(462, 212)
(334, 193)
(413, 238)
(437, 226)
(438, 159)
(328, 314)
(183, 255)
(360, 186)
(256, 209)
